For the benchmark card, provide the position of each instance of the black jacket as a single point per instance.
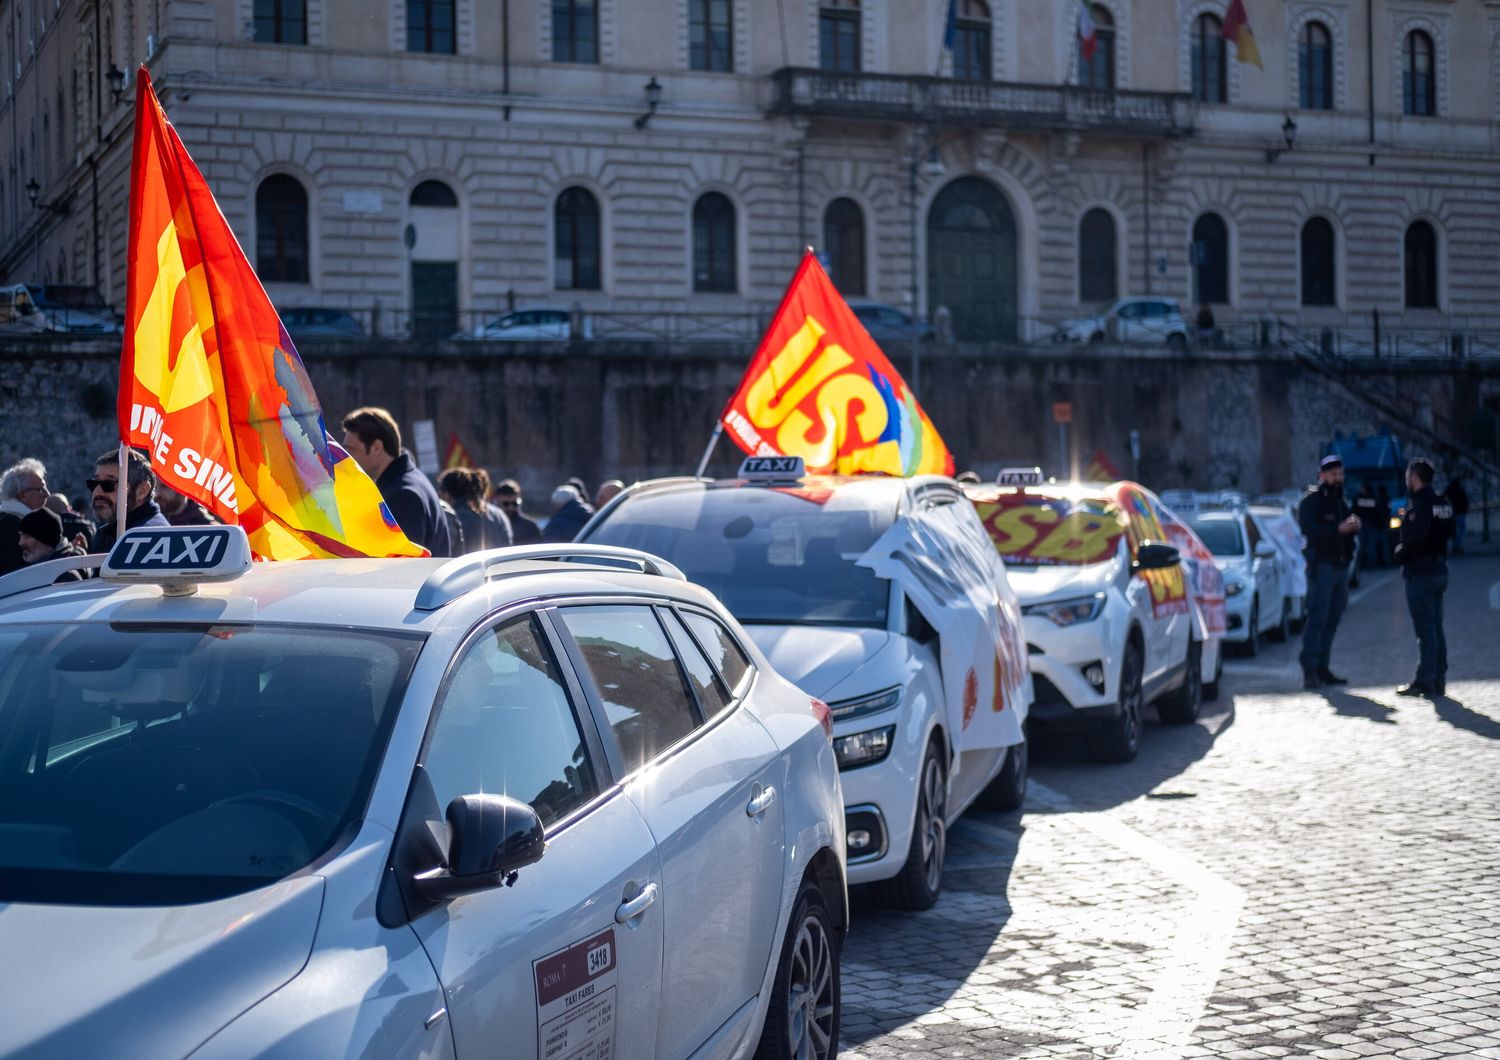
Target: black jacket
(484, 530)
(63, 551)
(566, 522)
(413, 502)
(10, 543)
(1425, 533)
(147, 514)
(524, 531)
(1319, 514)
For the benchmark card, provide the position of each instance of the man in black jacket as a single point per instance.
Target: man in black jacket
(1331, 530)
(105, 494)
(1423, 555)
(372, 438)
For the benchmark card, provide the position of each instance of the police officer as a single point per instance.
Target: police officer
(1423, 555)
(1330, 529)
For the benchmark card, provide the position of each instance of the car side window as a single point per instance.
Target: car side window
(506, 726)
(1252, 533)
(1130, 311)
(723, 651)
(711, 694)
(636, 672)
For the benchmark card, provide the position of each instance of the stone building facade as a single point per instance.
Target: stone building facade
(442, 159)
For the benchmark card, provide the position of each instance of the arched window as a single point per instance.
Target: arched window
(713, 243)
(1319, 278)
(575, 31)
(281, 230)
(844, 243)
(1210, 84)
(281, 21)
(575, 227)
(1098, 70)
(838, 36)
(971, 41)
(1211, 259)
(429, 26)
(1098, 260)
(711, 35)
(433, 193)
(1421, 266)
(1315, 68)
(1418, 75)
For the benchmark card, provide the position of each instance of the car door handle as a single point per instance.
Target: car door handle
(761, 802)
(628, 911)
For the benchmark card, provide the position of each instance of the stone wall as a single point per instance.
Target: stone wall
(1255, 421)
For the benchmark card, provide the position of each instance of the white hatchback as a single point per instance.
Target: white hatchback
(883, 597)
(548, 801)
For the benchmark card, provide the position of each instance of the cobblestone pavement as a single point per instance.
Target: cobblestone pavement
(1298, 875)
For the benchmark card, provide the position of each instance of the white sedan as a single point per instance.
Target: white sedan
(1149, 321)
(1255, 600)
(406, 808)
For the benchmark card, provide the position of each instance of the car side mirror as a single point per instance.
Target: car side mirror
(1155, 556)
(490, 838)
(1265, 550)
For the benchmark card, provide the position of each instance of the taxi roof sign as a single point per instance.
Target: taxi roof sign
(178, 557)
(773, 468)
(1019, 476)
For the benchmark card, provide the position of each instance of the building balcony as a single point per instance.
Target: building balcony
(998, 104)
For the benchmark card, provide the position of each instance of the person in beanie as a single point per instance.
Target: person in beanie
(41, 539)
(1331, 530)
(1423, 555)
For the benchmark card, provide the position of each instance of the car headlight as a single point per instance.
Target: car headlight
(1069, 612)
(1233, 588)
(1395, 522)
(864, 748)
(858, 707)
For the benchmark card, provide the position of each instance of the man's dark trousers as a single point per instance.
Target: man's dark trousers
(1424, 599)
(1327, 595)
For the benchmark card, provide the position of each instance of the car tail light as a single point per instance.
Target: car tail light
(825, 717)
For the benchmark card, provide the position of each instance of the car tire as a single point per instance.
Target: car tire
(1008, 790)
(1176, 342)
(1211, 689)
(802, 1019)
(1119, 738)
(917, 885)
(1283, 631)
(1183, 705)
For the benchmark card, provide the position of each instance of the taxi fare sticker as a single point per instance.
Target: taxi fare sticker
(575, 1000)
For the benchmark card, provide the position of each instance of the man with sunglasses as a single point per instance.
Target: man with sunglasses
(104, 492)
(23, 489)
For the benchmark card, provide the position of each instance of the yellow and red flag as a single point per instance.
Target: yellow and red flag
(1101, 468)
(1237, 29)
(819, 388)
(458, 456)
(210, 384)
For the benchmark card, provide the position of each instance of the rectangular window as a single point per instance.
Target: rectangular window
(281, 21)
(712, 697)
(711, 35)
(429, 26)
(575, 31)
(971, 51)
(838, 41)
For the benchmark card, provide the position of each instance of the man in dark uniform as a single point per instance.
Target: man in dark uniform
(1423, 555)
(1330, 529)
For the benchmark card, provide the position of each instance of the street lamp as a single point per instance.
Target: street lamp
(1289, 135)
(33, 189)
(653, 98)
(116, 78)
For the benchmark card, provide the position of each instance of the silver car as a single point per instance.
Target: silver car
(538, 801)
(1133, 321)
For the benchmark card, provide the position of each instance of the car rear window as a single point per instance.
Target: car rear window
(1222, 536)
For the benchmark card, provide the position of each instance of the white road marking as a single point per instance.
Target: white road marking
(1368, 586)
(1287, 671)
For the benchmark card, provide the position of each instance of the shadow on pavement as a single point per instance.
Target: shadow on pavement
(1349, 705)
(1461, 717)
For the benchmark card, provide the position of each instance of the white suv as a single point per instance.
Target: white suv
(929, 689)
(547, 801)
(1148, 321)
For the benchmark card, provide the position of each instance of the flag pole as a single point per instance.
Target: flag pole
(122, 493)
(713, 440)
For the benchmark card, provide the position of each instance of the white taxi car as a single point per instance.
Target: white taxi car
(406, 808)
(1255, 598)
(1108, 616)
(882, 597)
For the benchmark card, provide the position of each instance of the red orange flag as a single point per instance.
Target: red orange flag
(820, 388)
(211, 385)
(458, 456)
(1237, 29)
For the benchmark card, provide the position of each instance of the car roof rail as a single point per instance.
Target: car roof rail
(41, 575)
(467, 573)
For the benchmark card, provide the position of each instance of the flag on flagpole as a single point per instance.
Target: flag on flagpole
(1237, 29)
(1088, 40)
(457, 456)
(950, 25)
(820, 388)
(1101, 468)
(211, 385)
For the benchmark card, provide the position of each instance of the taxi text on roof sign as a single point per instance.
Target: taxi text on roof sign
(178, 557)
(1019, 476)
(780, 468)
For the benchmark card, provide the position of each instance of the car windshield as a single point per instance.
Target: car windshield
(158, 765)
(1222, 536)
(1031, 529)
(771, 555)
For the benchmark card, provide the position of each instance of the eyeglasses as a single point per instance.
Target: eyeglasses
(33, 489)
(106, 484)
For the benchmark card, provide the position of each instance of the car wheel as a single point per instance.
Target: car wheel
(1177, 342)
(802, 1022)
(917, 885)
(1119, 738)
(1252, 638)
(1211, 689)
(1182, 706)
(1008, 790)
(1283, 629)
